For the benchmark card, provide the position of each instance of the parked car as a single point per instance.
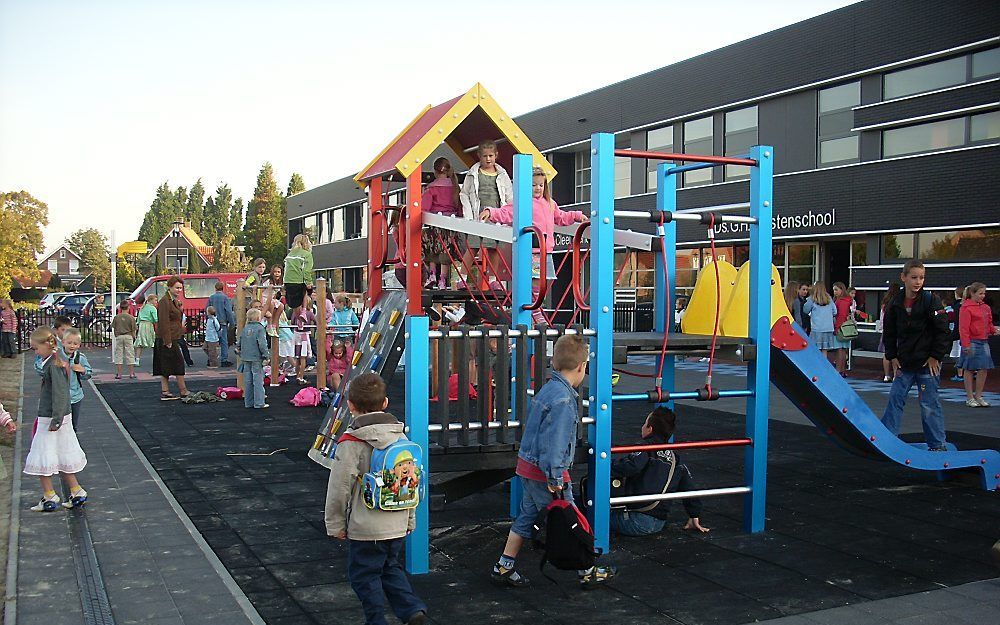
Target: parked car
(50, 299)
(88, 307)
(72, 304)
(197, 288)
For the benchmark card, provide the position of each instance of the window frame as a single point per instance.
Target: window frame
(581, 190)
(686, 178)
(967, 71)
(739, 172)
(822, 138)
(652, 164)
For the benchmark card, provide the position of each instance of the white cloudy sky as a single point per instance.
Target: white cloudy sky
(101, 101)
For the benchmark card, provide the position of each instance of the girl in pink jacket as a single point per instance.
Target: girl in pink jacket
(442, 197)
(546, 214)
(975, 326)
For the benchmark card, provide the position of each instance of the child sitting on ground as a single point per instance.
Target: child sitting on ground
(339, 363)
(79, 371)
(652, 472)
(548, 447)
(212, 338)
(376, 536)
(54, 447)
(252, 347)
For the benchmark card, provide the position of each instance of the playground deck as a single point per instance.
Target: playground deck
(867, 540)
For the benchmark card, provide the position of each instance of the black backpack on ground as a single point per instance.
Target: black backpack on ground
(564, 536)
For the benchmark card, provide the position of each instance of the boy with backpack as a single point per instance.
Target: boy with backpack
(371, 501)
(548, 446)
(650, 472)
(917, 338)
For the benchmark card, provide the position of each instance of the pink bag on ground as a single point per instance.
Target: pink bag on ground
(309, 396)
(229, 392)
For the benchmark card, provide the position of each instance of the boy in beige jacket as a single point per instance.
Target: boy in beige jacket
(376, 537)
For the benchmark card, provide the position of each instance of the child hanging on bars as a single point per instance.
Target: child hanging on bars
(546, 214)
(548, 447)
(486, 185)
(441, 197)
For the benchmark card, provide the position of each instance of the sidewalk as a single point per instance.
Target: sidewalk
(153, 565)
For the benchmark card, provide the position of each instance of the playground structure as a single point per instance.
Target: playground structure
(746, 313)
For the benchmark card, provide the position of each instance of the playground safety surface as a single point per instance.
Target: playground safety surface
(841, 531)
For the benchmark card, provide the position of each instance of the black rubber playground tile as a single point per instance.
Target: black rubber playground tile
(841, 530)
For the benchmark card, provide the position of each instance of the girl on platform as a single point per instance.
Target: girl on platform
(441, 197)
(339, 364)
(54, 447)
(975, 326)
(147, 327)
(298, 270)
(546, 214)
(302, 318)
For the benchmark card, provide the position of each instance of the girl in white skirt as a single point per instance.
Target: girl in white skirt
(303, 320)
(54, 448)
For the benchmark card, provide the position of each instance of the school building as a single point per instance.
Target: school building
(884, 116)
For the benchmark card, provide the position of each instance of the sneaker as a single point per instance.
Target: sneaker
(118, 376)
(310, 368)
(417, 619)
(983, 403)
(503, 576)
(957, 378)
(47, 505)
(262, 407)
(597, 576)
(76, 500)
(886, 379)
(972, 403)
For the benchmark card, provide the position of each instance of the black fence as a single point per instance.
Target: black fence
(95, 329)
(627, 317)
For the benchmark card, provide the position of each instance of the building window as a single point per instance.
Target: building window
(923, 78)
(837, 144)
(658, 140)
(62, 254)
(923, 137)
(623, 176)
(581, 181)
(74, 266)
(801, 259)
(741, 135)
(859, 253)
(984, 127)
(310, 226)
(897, 246)
(294, 228)
(698, 140)
(982, 244)
(986, 63)
(688, 263)
(175, 259)
(54, 266)
(352, 221)
(354, 280)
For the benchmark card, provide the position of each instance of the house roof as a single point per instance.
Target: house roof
(193, 240)
(53, 253)
(24, 282)
(461, 123)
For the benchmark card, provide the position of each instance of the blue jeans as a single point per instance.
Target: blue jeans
(536, 497)
(635, 523)
(376, 573)
(253, 384)
(930, 405)
(224, 341)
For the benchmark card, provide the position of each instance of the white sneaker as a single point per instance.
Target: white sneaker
(76, 500)
(972, 403)
(47, 505)
(264, 406)
(983, 403)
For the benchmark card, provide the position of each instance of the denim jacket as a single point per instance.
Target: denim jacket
(253, 343)
(549, 439)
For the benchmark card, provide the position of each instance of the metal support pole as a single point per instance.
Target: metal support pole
(521, 287)
(241, 320)
(376, 218)
(417, 421)
(755, 458)
(602, 301)
(665, 291)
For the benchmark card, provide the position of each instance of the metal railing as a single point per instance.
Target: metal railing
(95, 328)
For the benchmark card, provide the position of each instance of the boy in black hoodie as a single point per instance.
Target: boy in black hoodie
(917, 338)
(652, 472)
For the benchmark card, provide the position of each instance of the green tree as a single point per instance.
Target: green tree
(295, 185)
(162, 213)
(266, 226)
(228, 258)
(235, 225)
(217, 209)
(55, 284)
(181, 198)
(195, 212)
(95, 255)
(21, 240)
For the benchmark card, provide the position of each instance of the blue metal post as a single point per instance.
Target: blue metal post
(755, 458)
(417, 391)
(665, 291)
(602, 301)
(521, 289)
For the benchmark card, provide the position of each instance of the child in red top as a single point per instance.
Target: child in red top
(843, 304)
(442, 198)
(545, 214)
(339, 363)
(8, 327)
(975, 325)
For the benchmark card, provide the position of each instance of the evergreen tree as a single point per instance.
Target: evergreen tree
(236, 224)
(181, 200)
(195, 210)
(295, 185)
(227, 258)
(161, 215)
(266, 227)
(216, 219)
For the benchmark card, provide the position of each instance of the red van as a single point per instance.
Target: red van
(197, 288)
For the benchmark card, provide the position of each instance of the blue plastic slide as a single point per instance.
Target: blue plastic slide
(806, 377)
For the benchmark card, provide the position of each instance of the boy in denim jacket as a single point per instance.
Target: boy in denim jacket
(548, 447)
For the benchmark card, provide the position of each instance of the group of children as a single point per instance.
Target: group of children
(822, 316)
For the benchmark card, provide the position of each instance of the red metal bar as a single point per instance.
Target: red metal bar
(377, 229)
(736, 442)
(543, 274)
(578, 297)
(414, 259)
(691, 158)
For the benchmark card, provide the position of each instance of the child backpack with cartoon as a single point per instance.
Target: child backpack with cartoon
(395, 479)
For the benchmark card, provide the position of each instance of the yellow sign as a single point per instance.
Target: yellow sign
(133, 247)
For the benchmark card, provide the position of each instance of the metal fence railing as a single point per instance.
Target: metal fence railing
(95, 329)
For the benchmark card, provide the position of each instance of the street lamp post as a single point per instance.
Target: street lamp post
(177, 241)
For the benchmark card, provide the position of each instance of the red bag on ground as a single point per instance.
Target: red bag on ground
(309, 396)
(229, 392)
